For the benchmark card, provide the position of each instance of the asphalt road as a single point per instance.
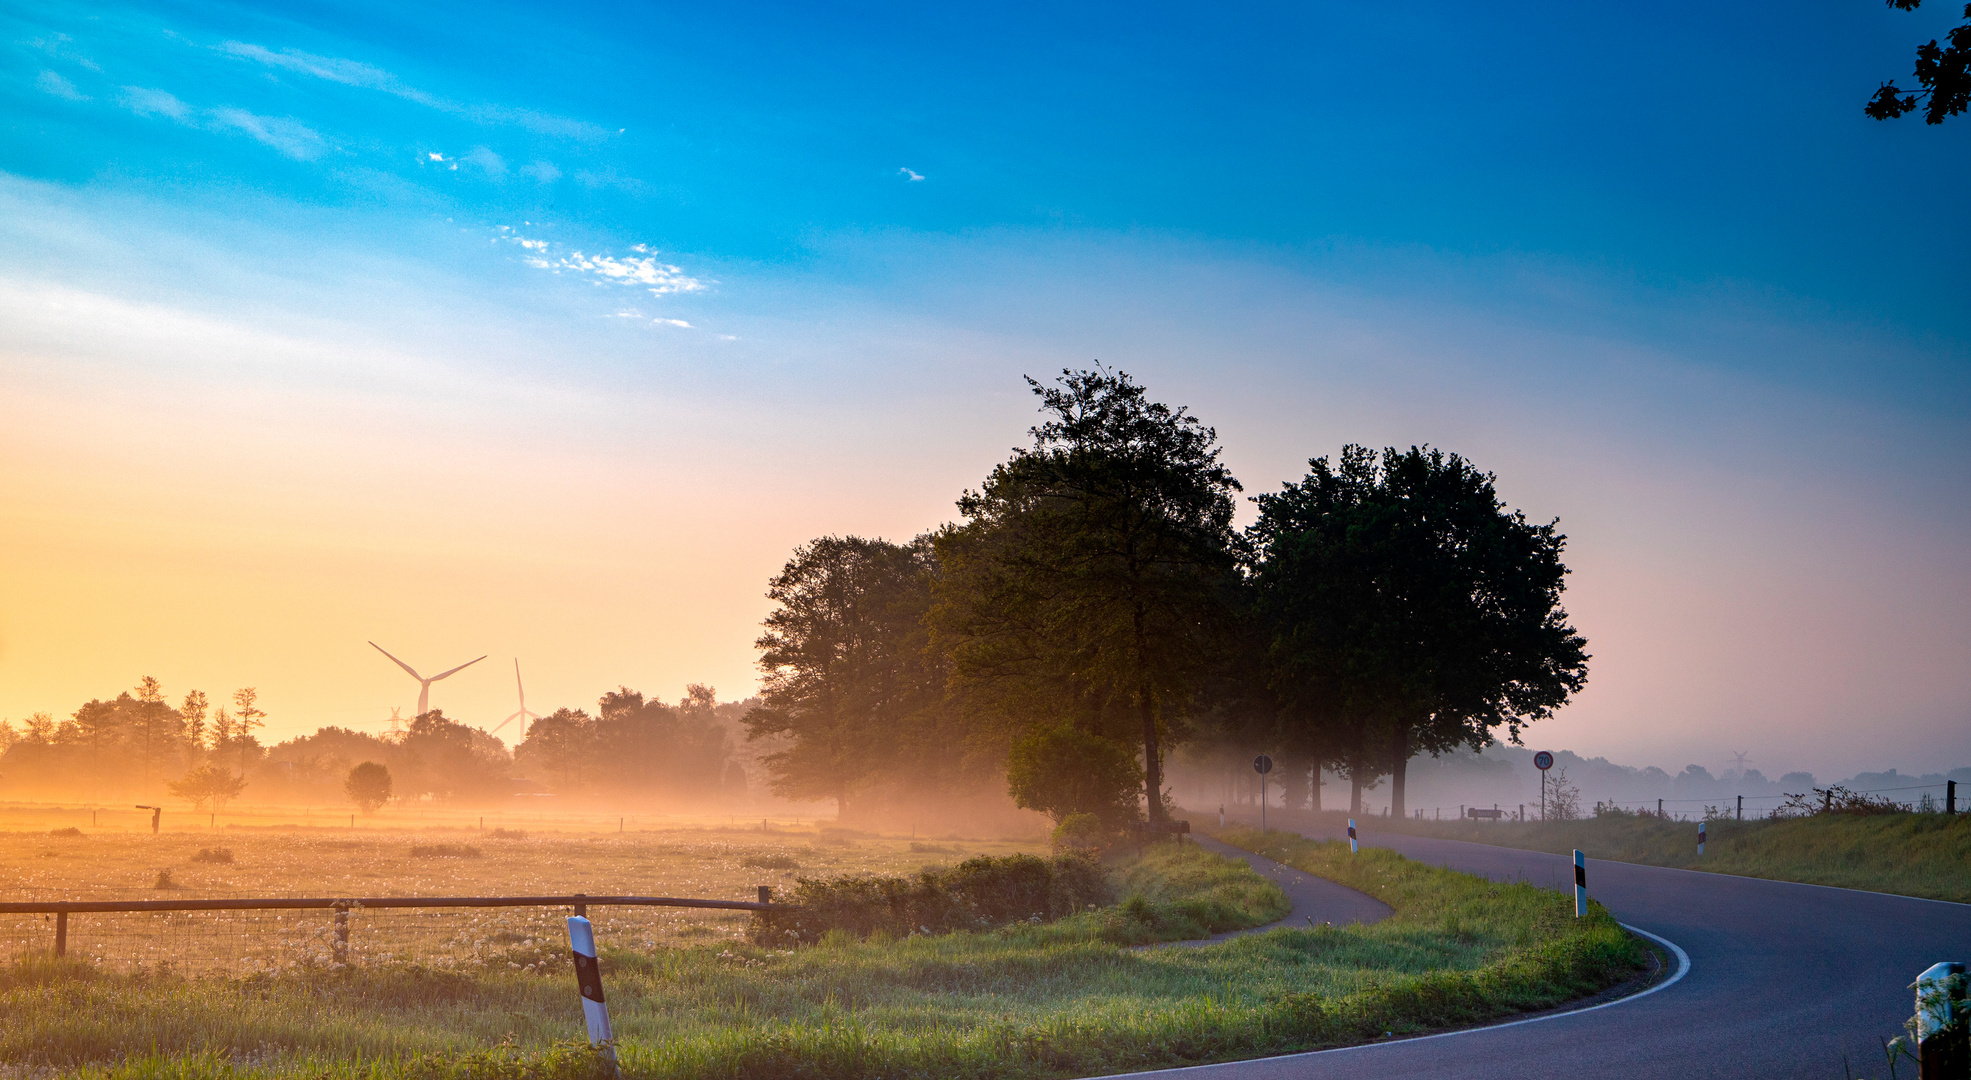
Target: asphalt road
(1784, 981)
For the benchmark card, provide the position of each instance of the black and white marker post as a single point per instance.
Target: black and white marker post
(1580, 885)
(1353, 848)
(588, 977)
(1700, 838)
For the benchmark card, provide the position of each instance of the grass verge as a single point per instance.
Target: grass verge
(1926, 855)
(1045, 1000)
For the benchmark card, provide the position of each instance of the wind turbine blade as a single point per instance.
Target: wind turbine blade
(518, 686)
(501, 724)
(455, 670)
(398, 662)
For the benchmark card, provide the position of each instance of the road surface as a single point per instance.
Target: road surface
(1785, 981)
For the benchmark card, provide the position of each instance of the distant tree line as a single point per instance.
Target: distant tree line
(633, 750)
(1095, 607)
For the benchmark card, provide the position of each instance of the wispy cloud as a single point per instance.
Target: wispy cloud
(492, 164)
(290, 137)
(51, 82)
(145, 101)
(640, 270)
(672, 322)
(911, 174)
(370, 77)
(544, 171)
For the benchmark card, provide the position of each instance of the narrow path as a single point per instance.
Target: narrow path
(1315, 900)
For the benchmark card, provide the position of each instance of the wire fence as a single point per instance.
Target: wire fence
(266, 936)
(1938, 798)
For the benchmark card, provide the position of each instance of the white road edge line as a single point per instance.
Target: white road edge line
(1683, 969)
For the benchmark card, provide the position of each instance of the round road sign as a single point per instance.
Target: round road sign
(1543, 761)
(1262, 764)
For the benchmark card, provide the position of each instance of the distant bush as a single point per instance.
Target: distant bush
(933, 849)
(1085, 832)
(164, 880)
(508, 834)
(70, 831)
(445, 851)
(214, 855)
(770, 862)
(1838, 800)
(977, 894)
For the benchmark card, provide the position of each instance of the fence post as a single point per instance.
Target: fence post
(588, 979)
(61, 933)
(1353, 847)
(340, 949)
(1580, 885)
(1941, 1046)
(1741, 808)
(766, 894)
(1700, 838)
(1950, 796)
(1659, 809)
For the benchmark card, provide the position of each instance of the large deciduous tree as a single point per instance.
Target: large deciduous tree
(1407, 610)
(1088, 581)
(848, 680)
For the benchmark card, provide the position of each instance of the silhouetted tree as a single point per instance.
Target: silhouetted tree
(1409, 610)
(846, 672)
(1089, 578)
(368, 786)
(208, 787)
(1943, 72)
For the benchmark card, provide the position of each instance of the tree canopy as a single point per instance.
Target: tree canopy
(1090, 575)
(1407, 610)
(1943, 73)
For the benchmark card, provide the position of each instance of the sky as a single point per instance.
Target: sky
(547, 332)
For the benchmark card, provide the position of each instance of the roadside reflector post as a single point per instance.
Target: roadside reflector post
(1700, 838)
(588, 979)
(1353, 847)
(1580, 885)
(1942, 1046)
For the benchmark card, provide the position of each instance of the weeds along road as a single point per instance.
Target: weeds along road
(1784, 981)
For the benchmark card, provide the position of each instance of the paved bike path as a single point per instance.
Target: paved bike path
(1785, 980)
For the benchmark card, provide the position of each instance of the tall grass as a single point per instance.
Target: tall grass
(1926, 855)
(1026, 1000)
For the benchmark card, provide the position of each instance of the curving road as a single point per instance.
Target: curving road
(1784, 981)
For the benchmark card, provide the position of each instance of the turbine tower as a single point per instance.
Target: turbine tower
(523, 715)
(423, 684)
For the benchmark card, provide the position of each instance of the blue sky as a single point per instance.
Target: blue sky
(758, 273)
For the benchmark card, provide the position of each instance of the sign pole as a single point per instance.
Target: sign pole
(1262, 765)
(1543, 761)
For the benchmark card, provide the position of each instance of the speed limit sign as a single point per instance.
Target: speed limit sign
(1543, 761)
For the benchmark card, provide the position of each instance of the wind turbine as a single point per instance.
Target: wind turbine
(423, 684)
(523, 715)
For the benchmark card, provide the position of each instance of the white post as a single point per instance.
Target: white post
(1353, 847)
(588, 977)
(1700, 838)
(1580, 885)
(1937, 1047)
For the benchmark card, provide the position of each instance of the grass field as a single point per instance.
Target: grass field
(1047, 1000)
(1925, 855)
(711, 863)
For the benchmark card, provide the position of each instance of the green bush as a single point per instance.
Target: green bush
(977, 894)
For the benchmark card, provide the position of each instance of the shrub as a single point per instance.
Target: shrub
(70, 831)
(444, 851)
(508, 834)
(977, 894)
(1084, 832)
(214, 855)
(770, 862)
(164, 880)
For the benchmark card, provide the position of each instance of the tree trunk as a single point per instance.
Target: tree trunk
(1152, 767)
(1314, 786)
(1354, 795)
(1398, 768)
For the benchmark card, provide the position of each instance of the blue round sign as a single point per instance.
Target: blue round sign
(1543, 761)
